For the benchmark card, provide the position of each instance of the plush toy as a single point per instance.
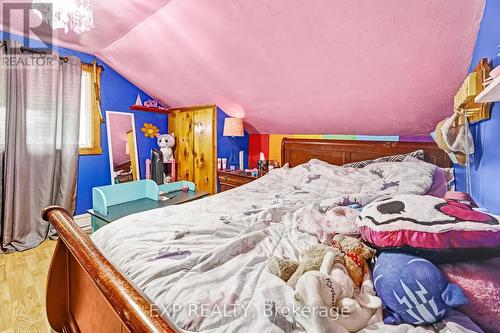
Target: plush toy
(323, 278)
(282, 268)
(311, 260)
(290, 271)
(349, 252)
(413, 290)
(332, 288)
(166, 142)
(356, 258)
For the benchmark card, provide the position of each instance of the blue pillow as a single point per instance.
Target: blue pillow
(413, 290)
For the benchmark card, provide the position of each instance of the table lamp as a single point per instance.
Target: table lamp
(233, 127)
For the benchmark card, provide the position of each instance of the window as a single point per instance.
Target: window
(90, 117)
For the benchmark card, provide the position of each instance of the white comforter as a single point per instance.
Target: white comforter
(203, 264)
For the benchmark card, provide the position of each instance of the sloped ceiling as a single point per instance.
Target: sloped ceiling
(294, 66)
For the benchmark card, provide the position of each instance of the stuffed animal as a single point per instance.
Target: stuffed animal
(325, 286)
(282, 268)
(311, 260)
(322, 278)
(356, 258)
(349, 252)
(332, 288)
(413, 290)
(166, 142)
(290, 271)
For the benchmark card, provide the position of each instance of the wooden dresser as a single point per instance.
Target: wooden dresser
(231, 179)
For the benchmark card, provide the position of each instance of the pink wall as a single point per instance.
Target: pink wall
(379, 67)
(119, 125)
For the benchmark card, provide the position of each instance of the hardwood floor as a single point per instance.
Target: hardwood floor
(22, 290)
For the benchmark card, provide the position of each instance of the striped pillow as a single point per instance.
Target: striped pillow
(418, 154)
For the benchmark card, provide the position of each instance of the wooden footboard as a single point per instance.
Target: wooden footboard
(86, 293)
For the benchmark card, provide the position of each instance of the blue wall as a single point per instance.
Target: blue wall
(117, 94)
(486, 165)
(223, 143)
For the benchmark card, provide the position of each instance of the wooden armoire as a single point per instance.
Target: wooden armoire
(195, 130)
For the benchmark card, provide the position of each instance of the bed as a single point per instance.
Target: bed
(87, 292)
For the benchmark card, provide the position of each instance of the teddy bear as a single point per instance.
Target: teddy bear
(166, 142)
(290, 271)
(356, 256)
(349, 252)
(335, 277)
(349, 308)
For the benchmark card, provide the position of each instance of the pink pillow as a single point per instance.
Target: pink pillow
(480, 281)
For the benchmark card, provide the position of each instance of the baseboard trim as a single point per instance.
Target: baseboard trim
(82, 220)
(80, 216)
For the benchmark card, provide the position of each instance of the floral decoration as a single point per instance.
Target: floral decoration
(150, 130)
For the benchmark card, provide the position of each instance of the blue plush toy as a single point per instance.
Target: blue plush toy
(413, 290)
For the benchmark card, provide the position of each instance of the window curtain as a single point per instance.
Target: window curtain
(39, 124)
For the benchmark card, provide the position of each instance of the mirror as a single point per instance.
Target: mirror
(122, 145)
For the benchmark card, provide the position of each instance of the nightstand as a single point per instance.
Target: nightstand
(231, 179)
(118, 211)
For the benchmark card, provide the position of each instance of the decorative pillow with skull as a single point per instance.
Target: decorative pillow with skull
(439, 229)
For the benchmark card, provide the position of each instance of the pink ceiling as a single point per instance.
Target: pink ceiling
(112, 18)
(294, 66)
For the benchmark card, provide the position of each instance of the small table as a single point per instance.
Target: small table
(141, 205)
(231, 179)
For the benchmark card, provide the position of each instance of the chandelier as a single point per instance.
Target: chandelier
(75, 15)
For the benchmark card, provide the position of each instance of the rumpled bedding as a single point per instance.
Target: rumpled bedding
(203, 264)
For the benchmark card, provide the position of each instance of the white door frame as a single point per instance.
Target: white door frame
(110, 149)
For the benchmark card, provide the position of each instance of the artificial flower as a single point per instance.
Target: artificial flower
(150, 130)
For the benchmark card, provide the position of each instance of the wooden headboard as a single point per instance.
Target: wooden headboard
(338, 152)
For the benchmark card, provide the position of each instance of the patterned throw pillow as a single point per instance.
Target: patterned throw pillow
(441, 175)
(418, 154)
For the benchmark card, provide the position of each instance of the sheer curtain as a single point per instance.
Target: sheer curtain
(39, 124)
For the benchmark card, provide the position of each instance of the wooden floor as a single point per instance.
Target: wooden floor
(22, 290)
